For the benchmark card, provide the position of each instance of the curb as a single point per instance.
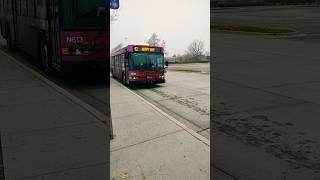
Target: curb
(172, 119)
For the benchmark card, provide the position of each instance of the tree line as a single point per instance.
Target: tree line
(195, 51)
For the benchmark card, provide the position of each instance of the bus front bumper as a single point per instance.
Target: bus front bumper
(136, 82)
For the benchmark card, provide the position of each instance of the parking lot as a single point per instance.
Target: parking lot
(302, 19)
(265, 88)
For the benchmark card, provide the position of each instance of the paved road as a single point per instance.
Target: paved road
(188, 91)
(45, 126)
(265, 89)
(186, 96)
(150, 145)
(266, 107)
(88, 86)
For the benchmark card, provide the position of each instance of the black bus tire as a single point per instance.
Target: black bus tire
(124, 79)
(45, 59)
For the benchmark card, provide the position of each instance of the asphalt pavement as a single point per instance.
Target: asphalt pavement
(302, 18)
(266, 107)
(46, 132)
(93, 91)
(185, 96)
(266, 101)
(89, 86)
(151, 144)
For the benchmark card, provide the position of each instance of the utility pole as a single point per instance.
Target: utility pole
(114, 4)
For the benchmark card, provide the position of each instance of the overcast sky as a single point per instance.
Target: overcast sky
(178, 22)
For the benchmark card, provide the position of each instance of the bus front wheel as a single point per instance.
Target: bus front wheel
(124, 79)
(45, 59)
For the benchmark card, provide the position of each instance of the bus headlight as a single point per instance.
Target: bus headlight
(161, 76)
(72, 51)
(65, 51)
(133, 77)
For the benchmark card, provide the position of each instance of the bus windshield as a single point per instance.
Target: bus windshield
(156, 61)
(145, 61)
(83, 14)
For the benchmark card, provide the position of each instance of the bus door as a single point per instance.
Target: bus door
(150, 72)
(54, 32)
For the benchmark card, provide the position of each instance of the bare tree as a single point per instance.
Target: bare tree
(196, 49)
(114, 14)
(164, 46)
(113, 17)
(154, 40)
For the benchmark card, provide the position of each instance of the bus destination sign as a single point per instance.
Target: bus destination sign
(146, 49)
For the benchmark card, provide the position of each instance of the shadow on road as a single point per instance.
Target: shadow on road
(73, 77)
(144, 86)
(89, 78)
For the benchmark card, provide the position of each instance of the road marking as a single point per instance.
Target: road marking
(102, 118)
(190, 131)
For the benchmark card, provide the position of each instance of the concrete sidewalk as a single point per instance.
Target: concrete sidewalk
(150, 145)
(47, 133)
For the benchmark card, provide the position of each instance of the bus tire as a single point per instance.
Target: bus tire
(45, 58)
(124, 79)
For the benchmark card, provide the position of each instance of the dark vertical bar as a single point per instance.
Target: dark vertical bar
(1, 162)
(109, 120)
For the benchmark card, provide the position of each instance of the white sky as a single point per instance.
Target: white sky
(178, 22)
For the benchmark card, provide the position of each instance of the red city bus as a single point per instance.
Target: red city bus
(61, 33)
(138, 64)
